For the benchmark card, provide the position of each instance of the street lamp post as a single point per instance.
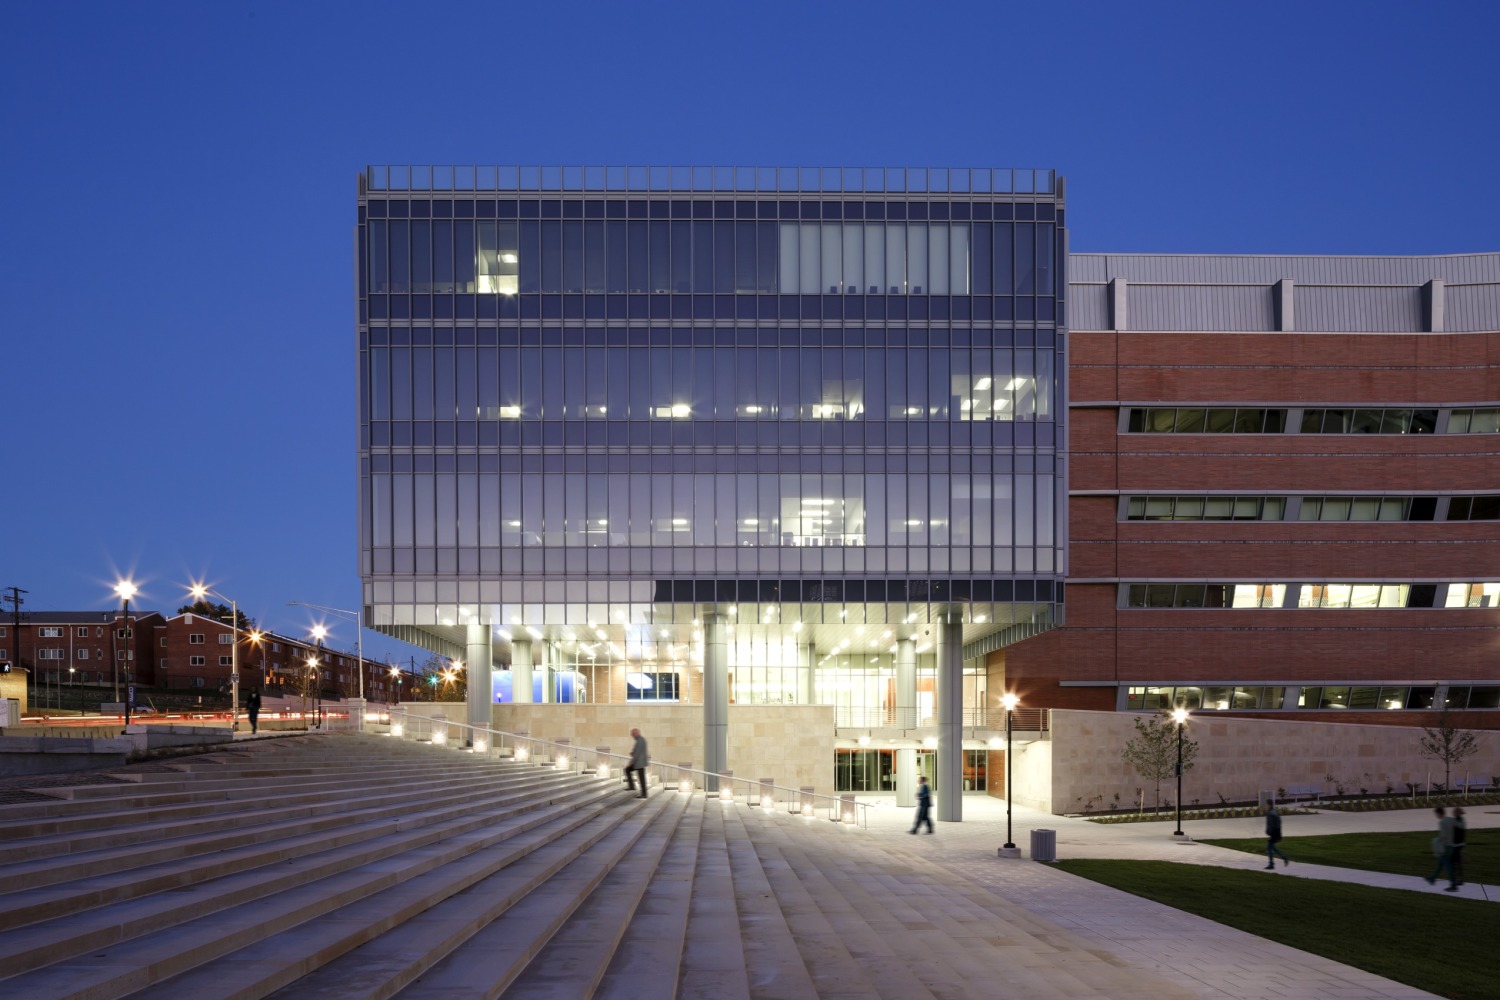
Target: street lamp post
(200, 592)
(318, 632)
(126, 590)
(1009, 701)
(359, 638)
(1179, 715)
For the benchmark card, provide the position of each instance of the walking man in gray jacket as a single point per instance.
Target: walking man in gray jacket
(638, 762)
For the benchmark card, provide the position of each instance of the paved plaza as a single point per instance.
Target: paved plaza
(343, 865)
(1212, 960)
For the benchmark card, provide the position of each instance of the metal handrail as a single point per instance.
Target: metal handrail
(1035, 719)
(841, 808)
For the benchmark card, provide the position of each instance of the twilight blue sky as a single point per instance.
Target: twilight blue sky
(176, 335)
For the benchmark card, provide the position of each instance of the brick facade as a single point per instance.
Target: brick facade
(1105, 645)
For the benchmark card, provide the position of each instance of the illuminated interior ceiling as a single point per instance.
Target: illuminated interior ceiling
(855, 631)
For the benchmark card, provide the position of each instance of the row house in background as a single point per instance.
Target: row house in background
(196, 651)
(185, 652)
(82, 647)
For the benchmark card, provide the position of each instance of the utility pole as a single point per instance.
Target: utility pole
(16, 600)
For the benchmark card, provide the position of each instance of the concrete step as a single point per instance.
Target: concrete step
(713, 953)
(513, 928)
(117, 829)
(576, 956)
(231, 784)
(435, 912)
(773, 961)
(647, 959)
(85, 881)
(842, 952)
(295, 889)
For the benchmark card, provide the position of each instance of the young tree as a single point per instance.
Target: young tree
(1152, 751)
(218, 612)
(1449, 744)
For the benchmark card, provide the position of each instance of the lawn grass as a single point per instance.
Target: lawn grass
(1437, 943)
(1397, 853)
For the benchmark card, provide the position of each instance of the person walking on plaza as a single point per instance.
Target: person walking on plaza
(1273, 837)
(1442, 848)
(1460, 834)
(252, 708)
(924, 805)
(638, 762)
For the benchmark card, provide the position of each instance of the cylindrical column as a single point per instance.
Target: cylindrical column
(520, 671)
(906, 684)
(549, 653)
(806, 664)
(906, 777)
(479, 655)
(950, 720)
(715, 697)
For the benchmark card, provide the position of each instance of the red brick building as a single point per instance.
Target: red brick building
(83, 647)
(184, 652)
(195, 651)
(1284, 494)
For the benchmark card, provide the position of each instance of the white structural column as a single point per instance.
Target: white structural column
(906, 684)
(807, 690)
(715, 697)
(549, 653)
(950, 719)
(906, 777)
(480, 656)
(520, 671)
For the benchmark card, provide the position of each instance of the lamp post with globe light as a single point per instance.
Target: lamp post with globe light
(1010, 702)
(1180, 716)
(126, 589)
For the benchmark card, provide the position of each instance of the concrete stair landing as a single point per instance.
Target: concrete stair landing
(344, 866)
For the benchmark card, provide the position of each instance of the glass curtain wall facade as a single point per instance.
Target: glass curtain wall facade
(596, 405)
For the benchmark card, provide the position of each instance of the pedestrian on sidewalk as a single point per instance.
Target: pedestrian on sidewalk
(1442, 849)
(1460, 834)
(1273, 837)
(924, 805)
(252, 708)
(638, 762)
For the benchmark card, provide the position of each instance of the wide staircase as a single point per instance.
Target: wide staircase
(342, 865)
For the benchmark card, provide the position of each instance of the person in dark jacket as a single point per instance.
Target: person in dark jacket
(1442, 849)
(638, 761)
(1460, 834)
(1273, 837)
(924, 806)
(252, 707)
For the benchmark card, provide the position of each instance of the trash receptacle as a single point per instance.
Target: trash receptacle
(1043, 845)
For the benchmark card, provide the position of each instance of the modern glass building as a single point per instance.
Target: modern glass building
(715, 435)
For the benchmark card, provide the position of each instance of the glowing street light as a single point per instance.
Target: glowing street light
(200, 593)
(1010, 701)
(1180, 716)
(126, 590)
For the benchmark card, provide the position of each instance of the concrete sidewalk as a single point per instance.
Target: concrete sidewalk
(1211, 959)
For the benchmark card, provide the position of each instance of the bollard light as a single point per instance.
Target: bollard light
(562, 761)
(439, 738)
(726, 793)
(481, 745)
(603, 770)
(685, 785)
(807, 810)
(397, 730)
(522, 754)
